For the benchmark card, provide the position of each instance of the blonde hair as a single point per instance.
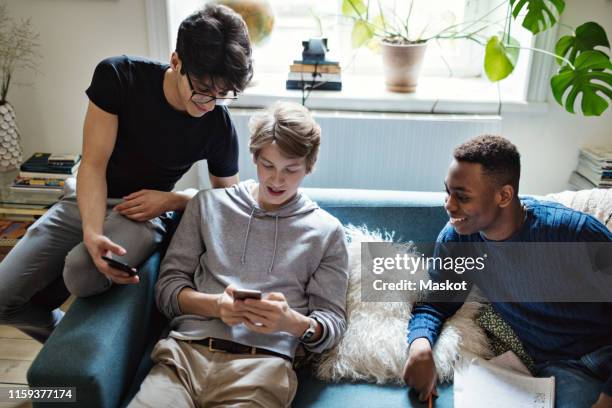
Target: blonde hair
(291, 127)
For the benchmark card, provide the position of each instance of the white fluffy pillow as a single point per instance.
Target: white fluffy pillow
(374, 347)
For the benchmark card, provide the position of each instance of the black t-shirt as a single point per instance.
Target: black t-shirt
(156, 144)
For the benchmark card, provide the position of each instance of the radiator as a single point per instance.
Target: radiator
(377, 150)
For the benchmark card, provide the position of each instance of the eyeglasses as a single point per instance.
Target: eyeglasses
(202, 98)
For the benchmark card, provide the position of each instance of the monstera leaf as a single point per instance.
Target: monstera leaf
(540, 13)
(500, 60)
(586, 38)
(590, 77)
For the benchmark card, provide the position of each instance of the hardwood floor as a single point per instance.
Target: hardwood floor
(17, 351)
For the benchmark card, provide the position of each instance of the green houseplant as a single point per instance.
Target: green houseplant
(583, 56)
(18, 50)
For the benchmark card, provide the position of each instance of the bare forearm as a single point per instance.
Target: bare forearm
(91, 198)
(180, 199)
(194, 302)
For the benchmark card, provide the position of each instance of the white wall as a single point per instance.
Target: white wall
(549, 143)
(76, 34)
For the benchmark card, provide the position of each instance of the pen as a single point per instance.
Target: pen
(429, 402)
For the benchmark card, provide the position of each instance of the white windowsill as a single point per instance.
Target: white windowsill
(368, 93)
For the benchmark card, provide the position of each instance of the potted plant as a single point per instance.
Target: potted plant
(402, 45)
(583, 56)
(18, 50)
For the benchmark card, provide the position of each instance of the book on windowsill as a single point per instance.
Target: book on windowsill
(324, 69)
(314, 85)
(317, 62)
(309, 76)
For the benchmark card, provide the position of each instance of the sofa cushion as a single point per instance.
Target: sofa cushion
(314, 393)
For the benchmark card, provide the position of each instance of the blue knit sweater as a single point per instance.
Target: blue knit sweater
(549, 331)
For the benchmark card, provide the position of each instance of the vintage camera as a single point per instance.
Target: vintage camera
(314, 49)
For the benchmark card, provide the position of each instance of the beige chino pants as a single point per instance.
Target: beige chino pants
(189, 375)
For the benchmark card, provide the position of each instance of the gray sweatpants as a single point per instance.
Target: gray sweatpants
(53, 246)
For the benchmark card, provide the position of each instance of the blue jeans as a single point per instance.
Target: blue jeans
(579, 382)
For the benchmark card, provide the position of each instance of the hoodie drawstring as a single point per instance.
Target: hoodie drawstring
(275, 243)
(246, 237)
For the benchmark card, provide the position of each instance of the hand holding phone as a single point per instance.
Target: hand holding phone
(113, 263)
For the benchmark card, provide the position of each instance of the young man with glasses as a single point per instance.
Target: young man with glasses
(147, 123)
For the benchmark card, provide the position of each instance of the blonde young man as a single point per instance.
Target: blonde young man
(265, 236)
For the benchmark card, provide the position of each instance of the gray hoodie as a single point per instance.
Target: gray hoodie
(225, 238)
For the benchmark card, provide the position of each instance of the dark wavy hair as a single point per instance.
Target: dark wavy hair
(214, 42)
(499, 158)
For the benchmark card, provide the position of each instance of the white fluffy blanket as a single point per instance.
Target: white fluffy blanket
(375, 346)
(596, 202)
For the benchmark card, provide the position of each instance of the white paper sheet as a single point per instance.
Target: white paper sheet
(481, 384)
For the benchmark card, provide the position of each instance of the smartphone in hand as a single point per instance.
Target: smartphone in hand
(113, 263)
(242, 294)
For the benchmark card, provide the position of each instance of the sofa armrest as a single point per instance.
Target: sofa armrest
(100, 342)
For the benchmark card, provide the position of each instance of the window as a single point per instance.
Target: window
(447, 62)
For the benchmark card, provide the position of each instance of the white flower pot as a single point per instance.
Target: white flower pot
(402, 65)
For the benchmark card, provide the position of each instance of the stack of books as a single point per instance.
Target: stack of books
(322, 75)
(594, 169)
(46, 172)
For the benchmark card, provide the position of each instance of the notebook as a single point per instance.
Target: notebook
(482, 384)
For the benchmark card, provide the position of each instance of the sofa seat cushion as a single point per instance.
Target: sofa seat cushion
(314, 393)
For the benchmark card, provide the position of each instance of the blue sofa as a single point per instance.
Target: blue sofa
(103, 344)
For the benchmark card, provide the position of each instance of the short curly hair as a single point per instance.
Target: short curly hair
(291, 127)
(499, 158)
(214, 42)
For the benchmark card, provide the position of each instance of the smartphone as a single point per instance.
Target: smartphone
(130, 270)
(242, 294)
